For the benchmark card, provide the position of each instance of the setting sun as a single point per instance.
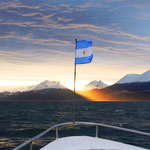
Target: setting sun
(70, 84)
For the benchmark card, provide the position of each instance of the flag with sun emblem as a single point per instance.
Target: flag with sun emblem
(84, 52)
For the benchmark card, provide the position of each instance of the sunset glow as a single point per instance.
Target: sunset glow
(17, 83)
(67, 83)
(74, 61)
(95, 95)
(37, 43)
(79, 84)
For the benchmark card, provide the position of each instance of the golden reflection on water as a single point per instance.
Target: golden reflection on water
(96, 95)
(8, 142)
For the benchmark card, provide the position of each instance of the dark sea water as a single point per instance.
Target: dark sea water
(20, 121)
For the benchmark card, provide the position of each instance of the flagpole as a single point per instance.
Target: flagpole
(73, 115)
(75, 67)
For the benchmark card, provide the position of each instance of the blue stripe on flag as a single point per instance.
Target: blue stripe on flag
(83, 60)
(83, 44)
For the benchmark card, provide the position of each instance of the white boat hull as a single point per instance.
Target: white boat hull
(87, 143)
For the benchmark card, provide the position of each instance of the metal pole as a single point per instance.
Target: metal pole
(75, 67)
(56, 133)
(96, 134)
(73, 115)
(31, 145)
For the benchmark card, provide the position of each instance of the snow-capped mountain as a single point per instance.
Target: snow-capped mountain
(43, 85)
(130, 78)
(48, 84)
(95, 85)
(144, 77)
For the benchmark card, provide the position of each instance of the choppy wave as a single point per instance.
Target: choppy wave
(20, 121)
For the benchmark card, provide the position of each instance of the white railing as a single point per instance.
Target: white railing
(30, 142)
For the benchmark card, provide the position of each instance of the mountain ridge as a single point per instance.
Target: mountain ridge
(95, 84)
(48, 84)
(130, 78)
(42, 95)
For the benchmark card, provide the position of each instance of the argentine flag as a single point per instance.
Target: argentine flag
(84, 52)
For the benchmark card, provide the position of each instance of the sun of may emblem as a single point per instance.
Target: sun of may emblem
(84, 52)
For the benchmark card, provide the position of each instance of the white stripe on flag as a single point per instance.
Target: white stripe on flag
(84, 52)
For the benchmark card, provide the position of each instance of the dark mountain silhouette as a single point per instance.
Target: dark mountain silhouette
(134, 86)
(136, 91)
(42, 95)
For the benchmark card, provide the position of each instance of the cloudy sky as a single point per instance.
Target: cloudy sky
(37, 39)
